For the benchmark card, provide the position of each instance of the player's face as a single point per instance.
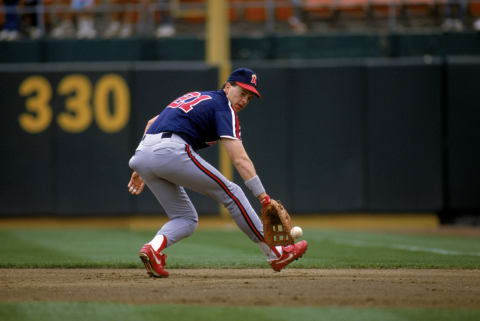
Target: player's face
(238, 97)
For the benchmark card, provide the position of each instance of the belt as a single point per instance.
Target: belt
(152, 139)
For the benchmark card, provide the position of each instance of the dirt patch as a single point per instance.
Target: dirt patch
(343, 221)
(248, 287)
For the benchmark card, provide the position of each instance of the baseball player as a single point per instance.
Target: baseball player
(166, 160)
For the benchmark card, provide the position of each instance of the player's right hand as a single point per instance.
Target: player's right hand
(136, 184)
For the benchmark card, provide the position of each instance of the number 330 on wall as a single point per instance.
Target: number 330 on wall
(79, 96)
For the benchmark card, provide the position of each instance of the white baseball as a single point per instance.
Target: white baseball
(296, 232)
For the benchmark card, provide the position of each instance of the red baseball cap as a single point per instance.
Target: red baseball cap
(245, 78)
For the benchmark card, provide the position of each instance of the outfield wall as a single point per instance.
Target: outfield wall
(370, 135)
(246, 48)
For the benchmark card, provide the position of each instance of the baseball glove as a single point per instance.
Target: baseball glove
(276, 224)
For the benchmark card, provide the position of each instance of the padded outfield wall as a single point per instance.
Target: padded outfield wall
(310, 46)
(334, 136)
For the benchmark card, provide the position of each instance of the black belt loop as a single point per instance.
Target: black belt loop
(167, 134)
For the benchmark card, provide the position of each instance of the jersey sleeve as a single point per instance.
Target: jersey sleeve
(227, 123)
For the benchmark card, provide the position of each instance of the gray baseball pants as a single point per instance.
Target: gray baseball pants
(167, 165)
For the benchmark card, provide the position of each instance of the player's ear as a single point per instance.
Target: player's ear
(227, 87)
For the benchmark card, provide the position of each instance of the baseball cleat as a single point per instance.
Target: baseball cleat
(154, 262)
(289, 254)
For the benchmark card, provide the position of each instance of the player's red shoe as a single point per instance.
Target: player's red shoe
(154, 262)
(289, 254)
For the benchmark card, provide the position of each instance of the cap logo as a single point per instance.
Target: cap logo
(254, 79)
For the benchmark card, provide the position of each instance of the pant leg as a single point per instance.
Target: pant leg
(179, 208)
(173, 198)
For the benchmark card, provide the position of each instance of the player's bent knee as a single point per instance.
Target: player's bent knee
(139, 165)
(193, 226)
(133, 163)
(178, 229)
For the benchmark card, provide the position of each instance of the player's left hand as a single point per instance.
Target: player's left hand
(136, 184)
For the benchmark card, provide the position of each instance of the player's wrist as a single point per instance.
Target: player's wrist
(255, 185)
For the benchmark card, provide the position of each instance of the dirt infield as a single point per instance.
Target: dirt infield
(250, 287)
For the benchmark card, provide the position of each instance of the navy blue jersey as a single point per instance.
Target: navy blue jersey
(199, 118)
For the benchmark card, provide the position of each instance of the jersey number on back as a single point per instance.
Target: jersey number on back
(186, 102)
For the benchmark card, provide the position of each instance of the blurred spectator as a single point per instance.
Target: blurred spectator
(296, 20)
(476, 25)
(166, 27)
(30, 19)
(65, 28)
(82, 9)
(11, 28)
(454, 14)
(85, 22)
(122, 19)
(126, 13)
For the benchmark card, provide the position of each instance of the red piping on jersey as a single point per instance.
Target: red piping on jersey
(237, 126)
(229, 193)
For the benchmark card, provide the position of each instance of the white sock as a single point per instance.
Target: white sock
(158, 242)
(268, 251)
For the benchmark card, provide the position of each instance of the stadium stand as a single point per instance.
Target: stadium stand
(264, 15)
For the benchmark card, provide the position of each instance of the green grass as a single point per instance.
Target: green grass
(232, 249)
(109, 311)
(229, 249)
